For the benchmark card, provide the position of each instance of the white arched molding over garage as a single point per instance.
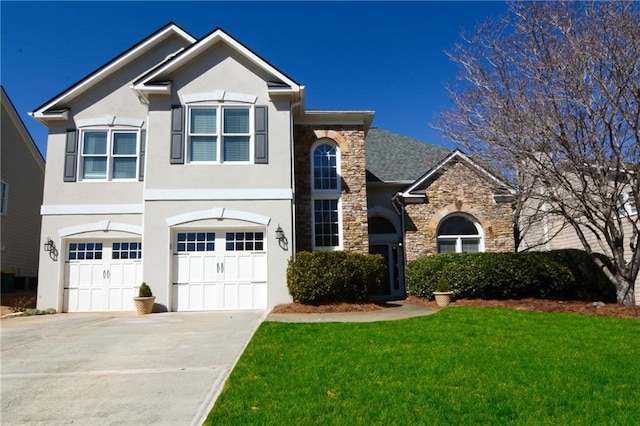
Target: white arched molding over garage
(103, 225)
(219, 213)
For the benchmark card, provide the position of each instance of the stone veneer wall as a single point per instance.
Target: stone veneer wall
(350, 140)
(458, 189)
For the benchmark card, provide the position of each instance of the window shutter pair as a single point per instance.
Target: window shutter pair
(261, 148)
(71, 155)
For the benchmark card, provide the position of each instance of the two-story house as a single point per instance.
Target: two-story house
(194, 166)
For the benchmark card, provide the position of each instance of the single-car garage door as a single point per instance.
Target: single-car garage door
(219, 270)
(102, 275)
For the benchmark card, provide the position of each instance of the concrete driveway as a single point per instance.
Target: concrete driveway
(118, 368)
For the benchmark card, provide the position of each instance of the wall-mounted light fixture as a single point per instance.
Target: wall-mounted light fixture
(50, 247)
(282, 239)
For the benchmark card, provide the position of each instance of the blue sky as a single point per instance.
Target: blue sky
(382, 56)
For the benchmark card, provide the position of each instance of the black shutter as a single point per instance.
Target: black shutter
(143, 153)
(261, 150)
(177, 134)
(71, 156)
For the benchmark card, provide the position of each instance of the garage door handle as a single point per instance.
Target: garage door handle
(222, 267)
(104, 274)
(217, 267)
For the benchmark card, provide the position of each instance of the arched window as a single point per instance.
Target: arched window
(325, 194)
(380, 225)
(459, 234)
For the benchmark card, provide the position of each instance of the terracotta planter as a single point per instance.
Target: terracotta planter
(144, 305)
(443, 298)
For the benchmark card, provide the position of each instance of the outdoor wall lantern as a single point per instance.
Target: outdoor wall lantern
(50, 247)
(282, 239)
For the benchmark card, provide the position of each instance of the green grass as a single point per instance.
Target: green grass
(459, 366)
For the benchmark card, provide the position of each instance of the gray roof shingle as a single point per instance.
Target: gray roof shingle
(395, 158)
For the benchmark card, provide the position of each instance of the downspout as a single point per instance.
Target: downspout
(293, 177)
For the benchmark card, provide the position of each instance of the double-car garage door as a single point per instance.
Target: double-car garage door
(211, 270)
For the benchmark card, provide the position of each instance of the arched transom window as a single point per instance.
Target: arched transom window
(325, 194)
(459, 234)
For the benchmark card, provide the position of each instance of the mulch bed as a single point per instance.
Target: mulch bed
(535, 305)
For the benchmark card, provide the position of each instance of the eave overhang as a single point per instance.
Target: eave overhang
(340, 118)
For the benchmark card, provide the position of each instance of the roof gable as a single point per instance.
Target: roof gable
(457, 156)
(281, 82)
(10, 109)
(49, 108)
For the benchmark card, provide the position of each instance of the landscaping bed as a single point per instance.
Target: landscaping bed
(535, 305)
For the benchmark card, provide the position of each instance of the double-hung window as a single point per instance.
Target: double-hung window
(325, 194)
(109, 154)
(627, 205)
(219, 134)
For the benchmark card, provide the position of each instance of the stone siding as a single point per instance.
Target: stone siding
(350, 140)
(459, 189)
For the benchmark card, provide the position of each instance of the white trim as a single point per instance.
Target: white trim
(4, 202)
(103, 225)
(211, 39)
(80, 209)
(218, 213)
(447, 160)
(219, 96)
(218, 194)
(112, 67)
(110, 120)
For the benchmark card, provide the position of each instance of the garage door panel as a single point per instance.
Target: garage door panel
(211, 297)
(245, 268)
(260, 267)
(196, 269)
(210, 268)
(245, 295)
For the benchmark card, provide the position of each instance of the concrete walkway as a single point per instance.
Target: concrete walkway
(396, 310)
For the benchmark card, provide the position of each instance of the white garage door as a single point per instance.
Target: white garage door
(219, 270)
(102, 275)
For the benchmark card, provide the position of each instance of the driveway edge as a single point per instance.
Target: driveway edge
(218, 384)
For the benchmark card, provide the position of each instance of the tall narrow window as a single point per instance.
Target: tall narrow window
(4, 192)
(458, 234)
(325, 193)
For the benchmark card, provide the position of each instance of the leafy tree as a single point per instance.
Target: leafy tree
(549, 93)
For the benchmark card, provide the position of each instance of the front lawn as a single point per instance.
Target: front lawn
(459, 366)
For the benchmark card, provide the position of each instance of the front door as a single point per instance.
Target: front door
(392, 287)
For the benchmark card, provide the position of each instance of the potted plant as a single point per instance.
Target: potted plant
(145, 300)
(443, 293)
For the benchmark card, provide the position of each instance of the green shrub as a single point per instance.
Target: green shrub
(144, 291)
(562, 274)
(334, 276)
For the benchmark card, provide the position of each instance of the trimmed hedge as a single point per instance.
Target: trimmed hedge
(560, 274)
(334, 276)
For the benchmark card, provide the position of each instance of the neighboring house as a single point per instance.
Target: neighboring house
(21, 183)
(193, 165)
(552, 232)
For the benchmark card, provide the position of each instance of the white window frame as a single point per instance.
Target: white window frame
(627, 205)
(4, 202)
(110, 131)
(326, 194)
(459, 238)
(220, 134)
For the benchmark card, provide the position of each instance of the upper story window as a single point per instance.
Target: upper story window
(627, 205)
(458, 234)
(325, 194)
(4, 193)
(109, 154)
(219, 134)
